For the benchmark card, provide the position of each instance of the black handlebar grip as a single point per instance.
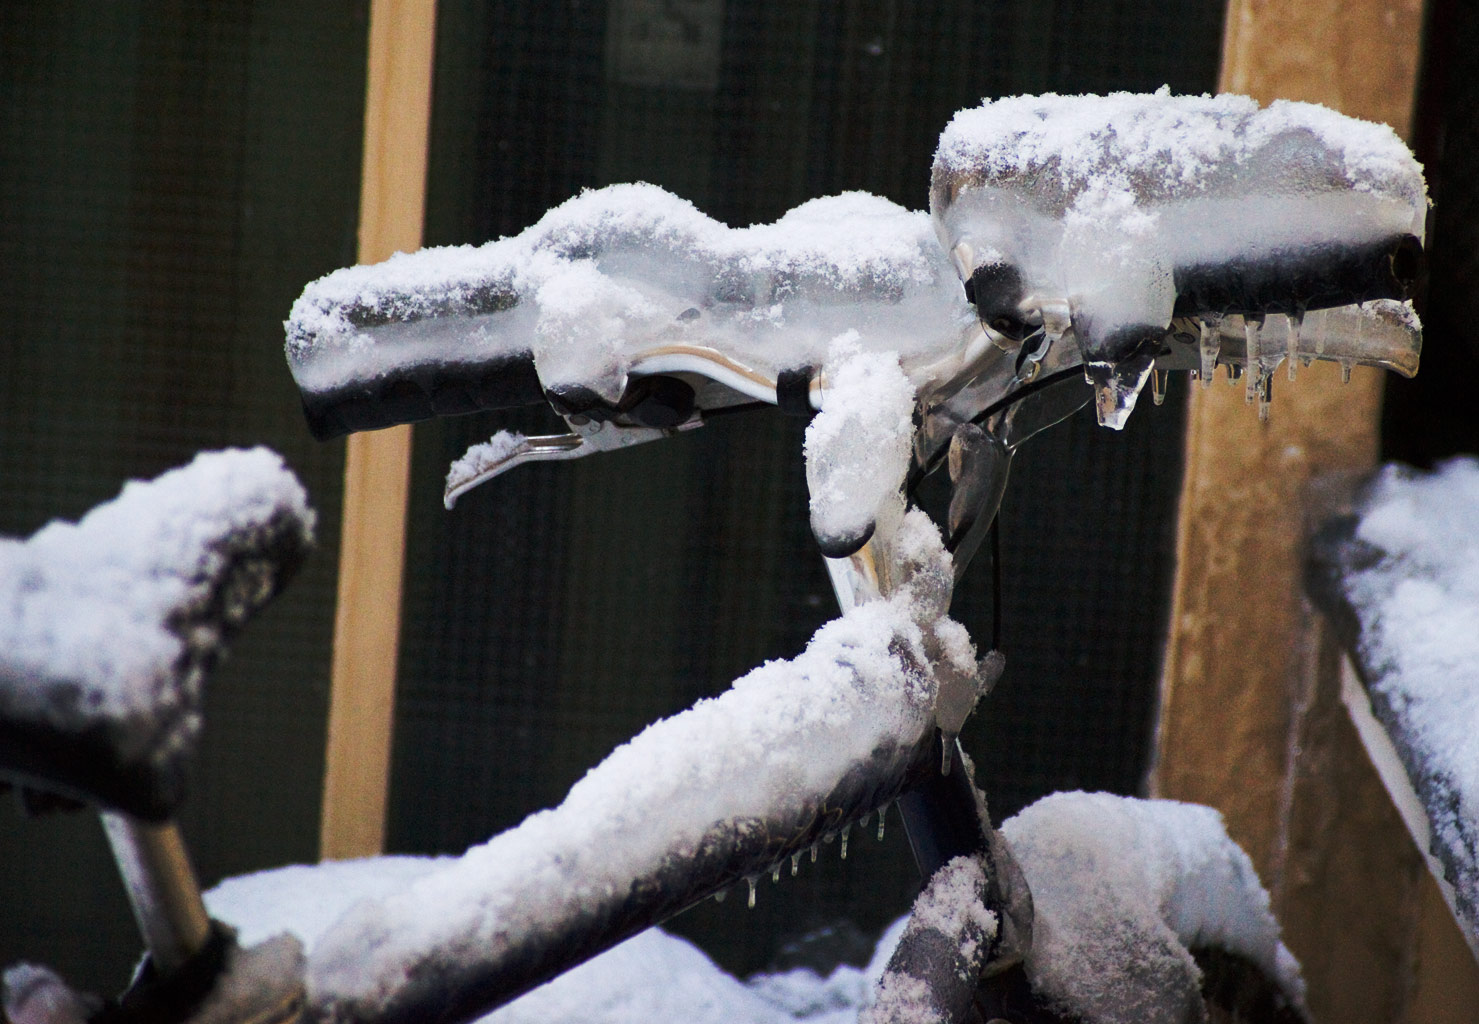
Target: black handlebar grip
(416, 393)
(1295, 280)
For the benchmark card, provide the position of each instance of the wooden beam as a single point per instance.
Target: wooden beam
(1237, 626)
(377, 465)
(1250, 719)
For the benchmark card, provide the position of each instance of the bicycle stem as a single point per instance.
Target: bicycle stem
(941, 816)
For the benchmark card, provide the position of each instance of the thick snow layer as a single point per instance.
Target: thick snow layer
(768, 748)
(1122, 889)
(651, 977)
(86, 609)
(1416, 594)
(1107, 155)
(629, 269)
(858, 447)
(1101, 201)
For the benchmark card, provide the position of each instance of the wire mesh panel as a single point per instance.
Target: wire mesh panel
(1432, 416)
(561, 608)
(172, 173)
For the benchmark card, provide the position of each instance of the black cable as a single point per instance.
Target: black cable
(918, 473)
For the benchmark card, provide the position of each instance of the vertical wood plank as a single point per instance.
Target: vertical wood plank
(377, 465)
(1237, 622)
(1249, 721)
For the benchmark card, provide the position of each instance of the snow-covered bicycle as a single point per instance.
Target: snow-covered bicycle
(1107, 240)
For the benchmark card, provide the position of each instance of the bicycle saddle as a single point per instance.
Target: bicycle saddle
(111, 624)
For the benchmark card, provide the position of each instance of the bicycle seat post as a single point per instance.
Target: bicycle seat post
(162, 888)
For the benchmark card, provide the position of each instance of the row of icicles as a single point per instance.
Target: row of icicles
(1259, 385)
(775, 869)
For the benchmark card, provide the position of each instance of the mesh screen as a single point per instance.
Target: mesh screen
(1432, 416)
(172, 174)
(559, 610)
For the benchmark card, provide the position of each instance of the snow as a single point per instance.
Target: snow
(626, 269)
(1104, 155)
(951, 903)
(1100, 201)
(951, 908)
(858, 447)
(1122, 889)
(37, 995)
(1121, 886)
(765, 751)
(86, 609)
(1414, 585)
(479, 459)
(653, 976)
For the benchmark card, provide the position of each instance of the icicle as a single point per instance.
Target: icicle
(1320, 333)
(1265, 394)
(1296, 321)
(750, 879)
(845, 830)
(719, 896)
(1158, 386)
(863, 821)
(1251, 331)
(775, 873)
(1345, 371)
(882, 817)
(946, 747)
(813, 853)
(795, 863)
(1210, 346)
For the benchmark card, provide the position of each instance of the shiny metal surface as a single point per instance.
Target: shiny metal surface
(161, 886)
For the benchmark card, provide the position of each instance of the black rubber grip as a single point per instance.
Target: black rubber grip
(421, 392)
(1317, 277)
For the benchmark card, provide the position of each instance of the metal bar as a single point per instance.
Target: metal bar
(161, 888)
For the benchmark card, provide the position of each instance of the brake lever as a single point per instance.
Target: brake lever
(507, 449)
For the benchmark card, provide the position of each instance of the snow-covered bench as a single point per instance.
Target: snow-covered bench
(1399, 580)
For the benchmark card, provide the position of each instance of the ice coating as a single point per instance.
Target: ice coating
(624, 270)
(789, 730)
(858, 447)
(1413, 582)
(1122, 890)
(88, 610)
(1123, 205)
(1104, 158)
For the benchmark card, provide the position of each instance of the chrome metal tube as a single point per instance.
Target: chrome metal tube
(162, 888)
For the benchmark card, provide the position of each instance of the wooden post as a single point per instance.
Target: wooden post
(377, 465)
(1250, 720)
